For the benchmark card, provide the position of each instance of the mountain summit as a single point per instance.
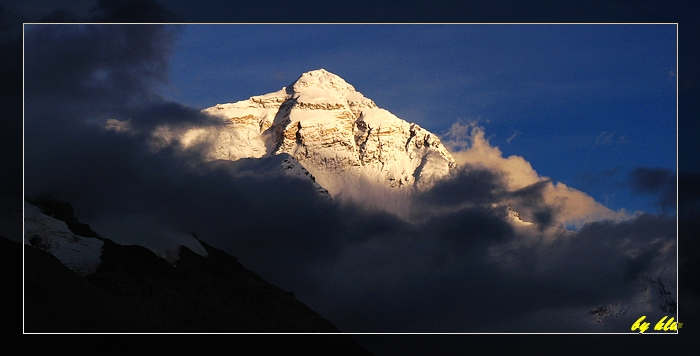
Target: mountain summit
(341, 137)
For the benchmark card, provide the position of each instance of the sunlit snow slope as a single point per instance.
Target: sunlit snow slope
(341, 137)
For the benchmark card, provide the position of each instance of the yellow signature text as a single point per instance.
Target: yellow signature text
(662, 325)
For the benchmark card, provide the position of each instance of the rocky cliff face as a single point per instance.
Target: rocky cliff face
(336, 133)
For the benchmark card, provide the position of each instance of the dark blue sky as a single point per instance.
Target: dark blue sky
(584, 104)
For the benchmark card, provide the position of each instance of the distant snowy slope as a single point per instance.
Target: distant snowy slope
(81, 254)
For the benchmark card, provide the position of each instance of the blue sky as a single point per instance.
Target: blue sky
(584, 104)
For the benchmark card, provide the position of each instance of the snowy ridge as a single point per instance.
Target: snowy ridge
(291, 167)
(335, 133)
(81, 254)
(150, 232)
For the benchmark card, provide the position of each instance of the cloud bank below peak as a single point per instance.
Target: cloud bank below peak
(470, 147)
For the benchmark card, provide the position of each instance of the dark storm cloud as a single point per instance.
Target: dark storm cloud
(640, 240)
(169, 112)
(76, 77)
(532, 195)
(655, 181)
(478, 187)
(531, 199)
(472, 226)
(471, 185)
(106, 69)
(467, 263)
(445, 275)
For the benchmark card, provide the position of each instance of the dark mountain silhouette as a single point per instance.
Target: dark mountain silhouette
(135, 291)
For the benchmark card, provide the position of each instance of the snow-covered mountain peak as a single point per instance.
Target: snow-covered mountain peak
(319, 81)
(341, 137)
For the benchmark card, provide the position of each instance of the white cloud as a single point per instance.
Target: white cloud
(469, 146)
(183, 138)
(121, 126)
(605, 138)
(512, 136)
